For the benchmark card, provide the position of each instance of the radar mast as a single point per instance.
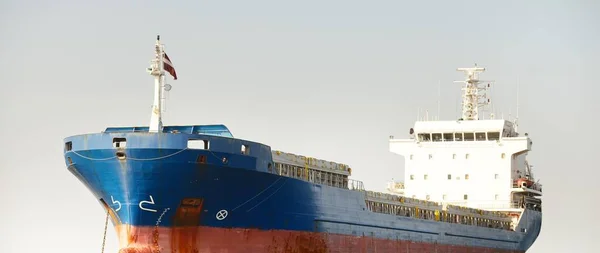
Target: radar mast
(473, 93)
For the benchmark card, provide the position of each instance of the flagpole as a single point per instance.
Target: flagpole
(157, 71)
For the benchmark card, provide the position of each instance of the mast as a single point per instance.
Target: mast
(516, 122)
(471, 93)
(156, 70)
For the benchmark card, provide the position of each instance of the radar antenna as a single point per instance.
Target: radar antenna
(474, 93)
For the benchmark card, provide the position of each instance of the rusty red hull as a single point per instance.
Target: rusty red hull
(226, 240)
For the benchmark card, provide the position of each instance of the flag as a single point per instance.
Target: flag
(168, 66)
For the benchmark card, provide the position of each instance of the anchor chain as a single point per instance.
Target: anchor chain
(105, 228)
(156, 247)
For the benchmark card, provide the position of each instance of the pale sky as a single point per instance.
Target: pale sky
(327, 79)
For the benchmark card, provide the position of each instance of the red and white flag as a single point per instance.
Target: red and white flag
(168, 66)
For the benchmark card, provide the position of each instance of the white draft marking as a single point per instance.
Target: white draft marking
(115, 202)
(221, 215)
(147, 202)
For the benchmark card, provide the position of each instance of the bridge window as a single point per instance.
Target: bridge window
(458, 136)
(493, 136)
(480, 136)
(436, 137)
(412, 177)
(469, 136)
(198, 144)
(448, 137)
(424, 137)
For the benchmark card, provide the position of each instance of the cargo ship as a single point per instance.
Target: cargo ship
(196, 188)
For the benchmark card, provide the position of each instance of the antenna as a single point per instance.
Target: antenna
(438, 102)
(493, 113)
(516, 123)
(471, 93)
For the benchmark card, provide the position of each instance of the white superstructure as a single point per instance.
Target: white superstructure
(468, 162)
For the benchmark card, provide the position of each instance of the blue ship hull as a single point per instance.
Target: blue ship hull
(156, 183)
